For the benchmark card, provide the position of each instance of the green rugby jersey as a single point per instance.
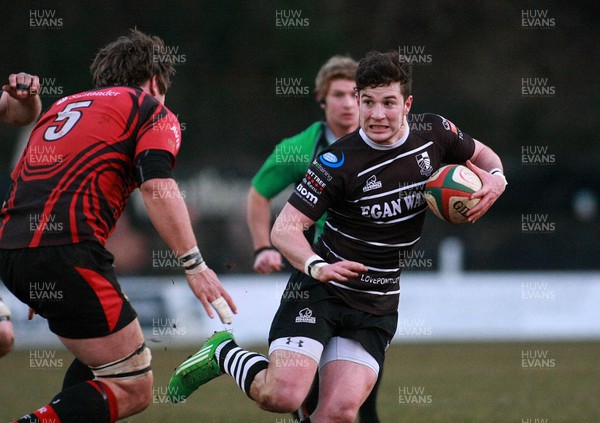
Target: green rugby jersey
(287, 165)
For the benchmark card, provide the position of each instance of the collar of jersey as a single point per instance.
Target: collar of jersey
(376, 146)
(331, 138)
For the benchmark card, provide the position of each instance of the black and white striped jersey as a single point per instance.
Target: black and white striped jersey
(373, 195)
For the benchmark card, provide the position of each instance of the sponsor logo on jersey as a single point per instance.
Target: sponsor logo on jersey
(331, 160)
(323, 171)
(424, 163)
(383, 210)
(314, 182)
(394, 208)
(452, 128)
(371, 184)
(305, 316)
(449, 126)
(306, 195)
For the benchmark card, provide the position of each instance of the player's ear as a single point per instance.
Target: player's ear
(408, 104)
(154, 90)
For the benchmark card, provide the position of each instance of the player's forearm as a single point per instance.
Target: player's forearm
(258, 218)
(288, 237)
(485, 158)
(168, 213)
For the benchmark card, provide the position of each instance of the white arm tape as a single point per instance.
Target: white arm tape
(198, 269)
(309, 261)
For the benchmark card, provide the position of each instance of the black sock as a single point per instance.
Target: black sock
(240, 364)
(77, 373)
(90, 402)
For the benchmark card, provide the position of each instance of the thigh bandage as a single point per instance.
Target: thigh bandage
(132, 367)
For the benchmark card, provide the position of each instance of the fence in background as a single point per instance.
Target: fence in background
(434, 307)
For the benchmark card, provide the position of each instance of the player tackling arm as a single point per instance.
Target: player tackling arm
(168, 213)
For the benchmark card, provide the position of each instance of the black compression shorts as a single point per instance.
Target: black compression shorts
(73, 286)
(308, 308)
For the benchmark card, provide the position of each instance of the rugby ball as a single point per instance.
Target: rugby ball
(447, 192)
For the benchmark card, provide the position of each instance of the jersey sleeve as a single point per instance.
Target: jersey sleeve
(159, 130)
(287, 163)
(457, 145)
(320, 186)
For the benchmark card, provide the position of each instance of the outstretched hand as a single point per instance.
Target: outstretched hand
(208, 289)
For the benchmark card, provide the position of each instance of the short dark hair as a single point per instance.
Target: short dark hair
(132, 59)
(377, 69)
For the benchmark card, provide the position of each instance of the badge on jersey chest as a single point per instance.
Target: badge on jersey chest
(424, 163)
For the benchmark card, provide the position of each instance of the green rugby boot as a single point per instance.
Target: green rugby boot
(197, 370)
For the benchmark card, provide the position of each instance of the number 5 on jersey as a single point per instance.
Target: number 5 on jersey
(71, 116)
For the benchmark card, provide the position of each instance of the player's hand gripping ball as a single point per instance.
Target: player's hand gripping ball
(448, 190)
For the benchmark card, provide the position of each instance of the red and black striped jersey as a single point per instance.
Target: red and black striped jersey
(78, 169)
(373, 196)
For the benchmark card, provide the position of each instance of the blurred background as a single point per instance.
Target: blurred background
(522, 78)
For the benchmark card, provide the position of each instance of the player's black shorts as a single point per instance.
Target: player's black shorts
(308, 308)
(73, 286)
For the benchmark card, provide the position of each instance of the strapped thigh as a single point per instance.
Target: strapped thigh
(132, 367)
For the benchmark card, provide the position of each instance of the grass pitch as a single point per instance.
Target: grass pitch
(529, 382)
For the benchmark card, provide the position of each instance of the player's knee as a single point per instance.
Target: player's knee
(141, 393)
(133, 379)
(344, 411)
(283, 399)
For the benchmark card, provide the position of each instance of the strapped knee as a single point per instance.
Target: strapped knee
(132, 367)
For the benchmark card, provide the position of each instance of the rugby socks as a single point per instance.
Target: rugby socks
(90, 402)
(241, 365)
(77, 373)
